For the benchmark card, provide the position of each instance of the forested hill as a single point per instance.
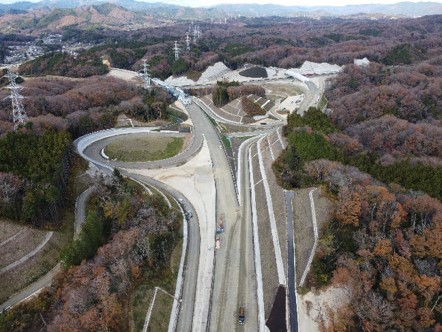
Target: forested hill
(35, 160)
(376, 152)
(165, 10)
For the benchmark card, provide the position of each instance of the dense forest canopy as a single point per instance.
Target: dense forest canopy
(377, 153)
(270, 41)
(137, 234)
(34, 172)
(35, 160)
(81, 106)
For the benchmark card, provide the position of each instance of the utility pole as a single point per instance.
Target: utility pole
(176, 49)
(19, 116)
(145, 74)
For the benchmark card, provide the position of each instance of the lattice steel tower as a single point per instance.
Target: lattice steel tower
(195, 34)
(198, 32)
(187, 42)
(176, 49)
(145, 74)
(19, 116)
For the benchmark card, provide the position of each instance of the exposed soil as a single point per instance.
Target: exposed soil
(320, 308)
(124, 121)
(274, 91)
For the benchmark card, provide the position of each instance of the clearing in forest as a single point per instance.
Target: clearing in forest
(26, 254)
(280, 91)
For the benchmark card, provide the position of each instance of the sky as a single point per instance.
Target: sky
(199, 3)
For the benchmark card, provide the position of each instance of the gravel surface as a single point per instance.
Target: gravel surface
(179, 81)
(314, 68)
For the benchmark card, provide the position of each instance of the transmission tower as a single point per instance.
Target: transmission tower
(176, 49)
(195, 34)
(145, 74)
(19, 116)
(187, 42)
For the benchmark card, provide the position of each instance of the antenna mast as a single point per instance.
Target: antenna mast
(19, 116)
(145, 74)
(176, 49)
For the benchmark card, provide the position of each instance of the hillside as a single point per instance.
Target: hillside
(172, 11)
(411, 9)
(106, 15)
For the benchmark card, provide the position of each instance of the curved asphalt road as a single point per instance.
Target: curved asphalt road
(80, 210)
(192, 255)
(94, 151)
(234, 283)
(231, 288)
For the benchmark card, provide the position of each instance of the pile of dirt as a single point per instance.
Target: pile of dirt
(213, 73)
(254, 72)
(179, 81)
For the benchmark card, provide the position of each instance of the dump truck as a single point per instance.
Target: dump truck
(241, 316)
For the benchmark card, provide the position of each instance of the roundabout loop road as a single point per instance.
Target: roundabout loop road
(195, 313)
(88, 147)
(216, 307)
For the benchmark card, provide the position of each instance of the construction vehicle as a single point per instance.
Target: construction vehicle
(241, 316)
